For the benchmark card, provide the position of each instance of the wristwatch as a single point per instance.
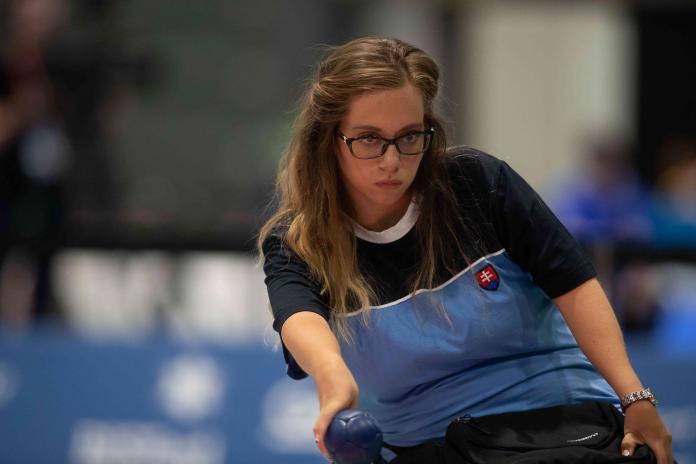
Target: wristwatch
(644, 394)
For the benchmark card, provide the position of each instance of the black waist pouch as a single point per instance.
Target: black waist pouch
(569, 434)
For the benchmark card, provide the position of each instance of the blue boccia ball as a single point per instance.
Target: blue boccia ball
(353, 437)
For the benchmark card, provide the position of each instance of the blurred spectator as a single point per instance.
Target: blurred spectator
(61, 80)
(637, 293)
(674, 211)
(34, 158)
(604, 201)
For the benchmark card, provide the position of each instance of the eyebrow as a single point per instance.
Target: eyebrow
(377, 129)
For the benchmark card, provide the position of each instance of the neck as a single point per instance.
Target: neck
(381, 218)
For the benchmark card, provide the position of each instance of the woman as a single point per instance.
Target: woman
(426, 283)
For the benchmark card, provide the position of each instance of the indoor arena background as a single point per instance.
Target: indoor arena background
(138, 145)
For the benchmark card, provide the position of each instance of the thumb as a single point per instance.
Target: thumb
(628, 444)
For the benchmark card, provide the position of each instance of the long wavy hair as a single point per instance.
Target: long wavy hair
(313, 208)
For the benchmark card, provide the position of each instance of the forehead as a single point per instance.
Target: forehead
(388, 110)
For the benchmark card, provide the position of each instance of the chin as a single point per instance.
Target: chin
(389, 199)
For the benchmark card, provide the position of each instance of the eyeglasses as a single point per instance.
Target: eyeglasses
(372, 146)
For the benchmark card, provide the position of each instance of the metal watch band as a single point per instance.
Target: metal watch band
(644, 394)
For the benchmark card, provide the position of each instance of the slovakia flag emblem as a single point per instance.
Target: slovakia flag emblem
(487, 278)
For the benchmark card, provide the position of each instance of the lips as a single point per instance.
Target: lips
(391, 183)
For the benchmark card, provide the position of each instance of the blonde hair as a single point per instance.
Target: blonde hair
(312, 204)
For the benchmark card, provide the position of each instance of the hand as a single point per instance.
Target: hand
(337, 391)
(642, 425)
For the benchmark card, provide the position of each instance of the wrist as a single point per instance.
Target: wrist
(336, 386)
(625, 382)
(641, 395)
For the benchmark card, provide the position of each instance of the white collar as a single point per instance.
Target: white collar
(395, 232)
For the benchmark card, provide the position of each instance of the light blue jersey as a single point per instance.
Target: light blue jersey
(500, 350)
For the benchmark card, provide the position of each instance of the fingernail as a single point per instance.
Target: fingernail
(626, 452)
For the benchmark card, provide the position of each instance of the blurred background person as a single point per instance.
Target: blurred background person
(604, 200)
(674, 212)
(63, 83)
(35, 155)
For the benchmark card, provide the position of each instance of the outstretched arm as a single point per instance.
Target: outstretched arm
(590, 317)
(314, 346)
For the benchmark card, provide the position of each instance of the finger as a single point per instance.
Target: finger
(662, 450)
(661, 455)
(319, 441)
(320, 428)
(629, 443)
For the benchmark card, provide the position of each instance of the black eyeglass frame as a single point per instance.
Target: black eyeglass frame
(428, 133)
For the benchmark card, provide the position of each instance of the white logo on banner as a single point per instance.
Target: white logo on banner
(129, 442)
(190, 387)
(288, 413)
(8, 383)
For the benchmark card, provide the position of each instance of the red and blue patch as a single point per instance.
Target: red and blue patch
(488, 278)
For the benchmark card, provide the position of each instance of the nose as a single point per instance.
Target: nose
(390, 160)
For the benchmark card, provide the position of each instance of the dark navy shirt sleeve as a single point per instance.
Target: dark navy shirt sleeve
(525, 226)
(290, 290)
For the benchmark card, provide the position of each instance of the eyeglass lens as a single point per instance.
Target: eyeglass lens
(409, 144)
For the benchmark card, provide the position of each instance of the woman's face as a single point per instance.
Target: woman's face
(379, 188)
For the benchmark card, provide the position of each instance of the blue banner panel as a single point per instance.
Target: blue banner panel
(65, 399)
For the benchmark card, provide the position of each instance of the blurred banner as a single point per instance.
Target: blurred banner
(64, 399)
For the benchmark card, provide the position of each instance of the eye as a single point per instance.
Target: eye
(369, 139)
(411, 137)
